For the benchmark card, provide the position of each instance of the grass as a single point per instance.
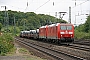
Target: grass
(30, 56)
(33, 58)
(23, 51)
(12, 52)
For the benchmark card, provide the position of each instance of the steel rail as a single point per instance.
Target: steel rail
(43, 49)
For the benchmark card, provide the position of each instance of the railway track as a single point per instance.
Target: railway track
(79, 47)
(58, 55)
(82, 42)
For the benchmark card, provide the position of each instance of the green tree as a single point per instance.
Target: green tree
(0, 26)
(6, 43)
(87, 24)
(31, 20)
(83, 30)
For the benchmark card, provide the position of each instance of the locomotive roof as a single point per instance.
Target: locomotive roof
(43, 26)
(66, 24)
(56, 25)
(52, 25)
(63, 24)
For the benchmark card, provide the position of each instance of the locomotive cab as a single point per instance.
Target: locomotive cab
(66, 33)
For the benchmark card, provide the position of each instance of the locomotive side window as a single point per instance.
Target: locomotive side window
(69, 27)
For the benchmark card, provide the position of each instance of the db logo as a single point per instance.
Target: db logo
(66, 32)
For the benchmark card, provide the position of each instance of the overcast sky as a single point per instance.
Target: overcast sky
(50, 7)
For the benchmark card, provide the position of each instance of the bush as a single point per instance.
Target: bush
(6, 43)
(0, 26)
(81, 35)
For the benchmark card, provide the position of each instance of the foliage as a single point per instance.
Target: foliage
(28, 20)
(0, 26)
(87, 24)
(80, 35)
(23, 50)
(14, 30)
(6, 43)
(80, 28)
(83, 30)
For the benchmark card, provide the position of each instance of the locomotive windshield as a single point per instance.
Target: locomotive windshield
(63, 27)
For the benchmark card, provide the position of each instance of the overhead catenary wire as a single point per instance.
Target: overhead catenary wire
(16, 6)
(12, 6)
(78, 12)
(28, 4)
(79, 4)
(42, 5)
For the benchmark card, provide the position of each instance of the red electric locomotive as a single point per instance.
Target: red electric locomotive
(61, 33)
(42, 32)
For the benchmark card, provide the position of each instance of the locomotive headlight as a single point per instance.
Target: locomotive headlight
(70, 32)
(61, 35)
(71, 35)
